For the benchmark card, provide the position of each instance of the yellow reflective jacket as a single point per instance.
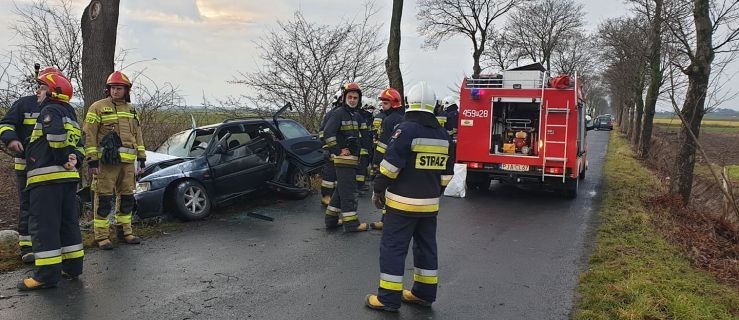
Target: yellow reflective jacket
(106, 116)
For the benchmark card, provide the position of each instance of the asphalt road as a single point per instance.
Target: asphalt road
(506, 253)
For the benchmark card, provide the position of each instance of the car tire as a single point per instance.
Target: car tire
(191, 200)
(571, 187)
(299, 179)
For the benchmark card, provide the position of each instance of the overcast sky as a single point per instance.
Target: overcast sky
(201, 44)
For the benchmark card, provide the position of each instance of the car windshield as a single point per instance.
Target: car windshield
(291, 129)
(186, 144)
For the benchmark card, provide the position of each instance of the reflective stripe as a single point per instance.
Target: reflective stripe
(73, 255)
(330, 139)
(380, 149)
(91, 150)
(430, 145)
(380, 144)
(353, 160)
(348, 214)
(71, 248)
(388, 169)
(328, 184)
(92, 118)
(68, 120)
(140, 148)
(56, 137)
(426, 279)
(19, 167)
(426, 272)
(109, 117)
(420, 106)
(441, 119)
(19, 161)
(445, 178)
(101, 223)
(40, 262)
(6, 127)
(51, 173)
(123, 219)
(81, 150)
(29, 121)
(332, 211)
(363, 126)
(360, 178)
(363, 151)
(421, 205)
(127, 150)
(48, 254)
(29, 115)
(391, 282)
(127, 156)
(25, 243)
(124, 114)
(24, 238)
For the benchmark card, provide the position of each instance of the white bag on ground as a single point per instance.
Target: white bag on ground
(457, 187)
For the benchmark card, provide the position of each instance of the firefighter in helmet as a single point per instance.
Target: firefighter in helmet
(54, 156)
(451, 111)
(328, 173)
(15, 132)
(114, 143)
(411, 180)
(365, 129)
(342, 137)
(392, 115)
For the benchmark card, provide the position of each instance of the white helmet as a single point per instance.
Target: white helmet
(448, 101)
(421, 98)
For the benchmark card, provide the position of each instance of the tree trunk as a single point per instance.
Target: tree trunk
(476, 69)
(99, 29)
(392, 64)
(639, 112)
(699, 73)
(655, 79)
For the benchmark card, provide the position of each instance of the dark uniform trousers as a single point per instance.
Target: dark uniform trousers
(24, 236)
(54, 226)
(362, 170)
(343, 203)
(396, 236)
(328, 179)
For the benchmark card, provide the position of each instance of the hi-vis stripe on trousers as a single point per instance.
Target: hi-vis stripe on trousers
(397, 233)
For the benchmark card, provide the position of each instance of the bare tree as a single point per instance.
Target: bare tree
(500, 52)
(49, 35)
(443, 19)
(575, 55)
(305, 63)
(703, 28)
(392, 64)
(99, 30)
(543, 25)
(160, 107)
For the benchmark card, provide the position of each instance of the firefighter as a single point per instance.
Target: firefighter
(365, 117)
(411, 180)
(392, 116)
(441, 115)
(114, 143)
(328, 172)
(54, 155)
(451, 111)
(15, 132)
(343, 140)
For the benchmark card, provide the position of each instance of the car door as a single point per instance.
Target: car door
(234, 166)
(307, 148)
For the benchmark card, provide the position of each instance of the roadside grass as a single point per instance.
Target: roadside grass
(634, 273)
(148, 230)
(675, 121)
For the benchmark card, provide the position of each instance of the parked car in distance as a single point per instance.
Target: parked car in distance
(604, 122)
(216, 163)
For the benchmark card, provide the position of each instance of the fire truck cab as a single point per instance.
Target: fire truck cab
(523, 126)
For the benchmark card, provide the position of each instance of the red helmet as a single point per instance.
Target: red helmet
(48, 70)
(351, 87)
(391, 95)
(117, 78)
(60, 88)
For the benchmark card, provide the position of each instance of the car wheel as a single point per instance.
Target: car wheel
(297, 178)
(571, 187)
(191, 200)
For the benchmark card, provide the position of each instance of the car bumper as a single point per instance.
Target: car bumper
(150, 203)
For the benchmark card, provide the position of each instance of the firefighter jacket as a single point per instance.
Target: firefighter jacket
(106, 116)
(342, 132)
(441, 116)
(377, 125)
(365, 129)
(321, 133)
(416, 168)
(392, 118)
(55, 136)
(18, 124)
(452, 119)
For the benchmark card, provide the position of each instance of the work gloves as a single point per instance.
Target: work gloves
(378, 199)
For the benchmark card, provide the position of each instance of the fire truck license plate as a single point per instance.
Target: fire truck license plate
(514, 167)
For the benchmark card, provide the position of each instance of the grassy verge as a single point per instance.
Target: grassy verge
(9, 259)
(634, 273)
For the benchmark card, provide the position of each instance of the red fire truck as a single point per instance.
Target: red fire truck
(523, 126)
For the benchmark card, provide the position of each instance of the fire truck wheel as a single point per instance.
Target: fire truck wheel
(571, 187)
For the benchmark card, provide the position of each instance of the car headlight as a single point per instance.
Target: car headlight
(143, 186)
